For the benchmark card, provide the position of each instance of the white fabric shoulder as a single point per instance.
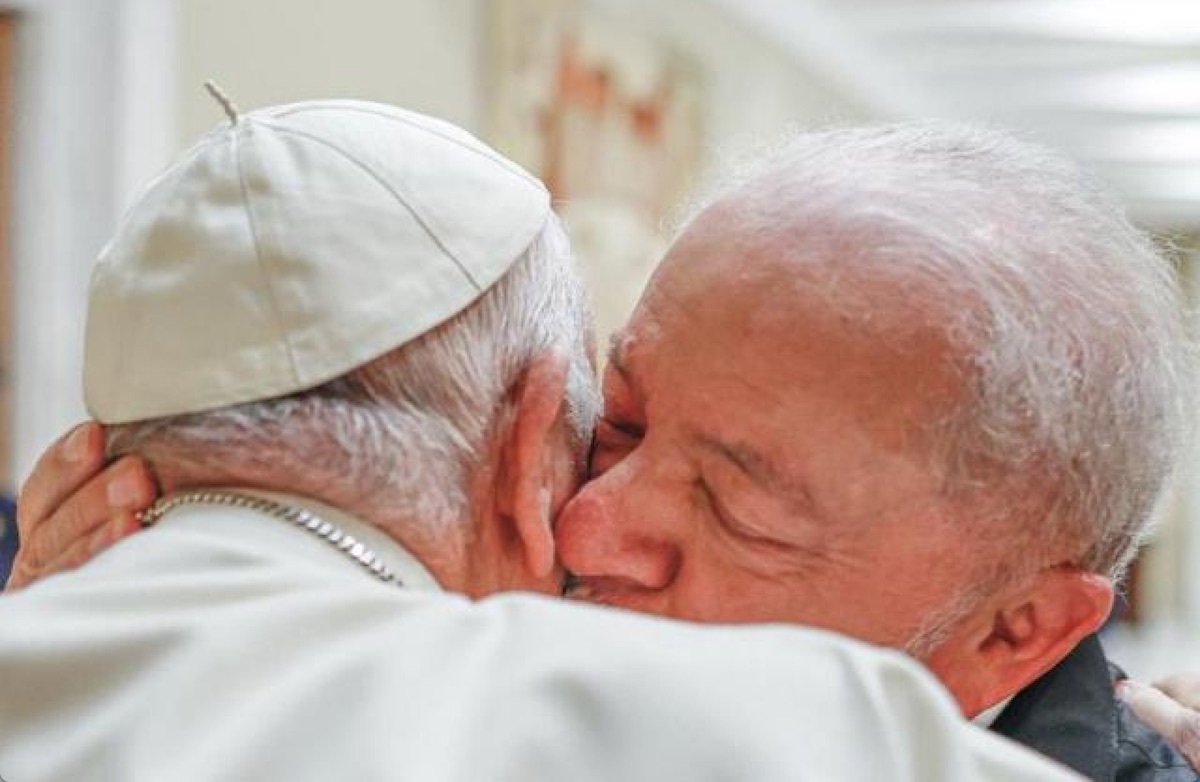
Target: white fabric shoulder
(181, 655)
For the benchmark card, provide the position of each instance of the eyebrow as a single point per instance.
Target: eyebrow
(759, 470)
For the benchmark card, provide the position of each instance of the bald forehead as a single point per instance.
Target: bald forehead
(729, 302)
(772, 266)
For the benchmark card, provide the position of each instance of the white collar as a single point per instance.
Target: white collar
(987, 717)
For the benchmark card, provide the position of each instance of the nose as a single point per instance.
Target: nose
(618, 536)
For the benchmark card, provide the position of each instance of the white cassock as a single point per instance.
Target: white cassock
(226, 645)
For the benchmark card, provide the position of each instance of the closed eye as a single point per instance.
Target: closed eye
(619, 429)
(737, 529)
(611, 442)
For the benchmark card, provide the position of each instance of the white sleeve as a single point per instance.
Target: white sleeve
(594, 694)
(204, 677)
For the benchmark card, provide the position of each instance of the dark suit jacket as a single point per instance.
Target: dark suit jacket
(8, 536)
(1072, 715)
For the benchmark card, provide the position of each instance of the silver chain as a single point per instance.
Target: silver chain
(297, 517)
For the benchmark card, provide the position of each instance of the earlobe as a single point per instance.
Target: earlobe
(539, 539)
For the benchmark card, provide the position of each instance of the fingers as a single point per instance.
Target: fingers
(95, 516)
(19, 577)
(126, 486)
(87, 547)
(1182, 687)
(1179, 724)
(62, 469)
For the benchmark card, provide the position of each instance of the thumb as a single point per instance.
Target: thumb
(1178, 724)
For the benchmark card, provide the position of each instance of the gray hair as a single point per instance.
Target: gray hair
(1067, 321)
(410, 429)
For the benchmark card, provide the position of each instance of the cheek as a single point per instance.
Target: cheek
(868, 607)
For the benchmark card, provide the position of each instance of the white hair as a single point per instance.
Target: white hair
(1066, 322)
(410, 429)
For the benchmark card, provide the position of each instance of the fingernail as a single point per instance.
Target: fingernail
(77, 444)
(1126, 689)
(124, 491)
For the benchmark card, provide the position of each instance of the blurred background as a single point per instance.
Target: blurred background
(618, 104)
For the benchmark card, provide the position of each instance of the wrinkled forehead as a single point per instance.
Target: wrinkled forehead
(780, 281)
(727, 309)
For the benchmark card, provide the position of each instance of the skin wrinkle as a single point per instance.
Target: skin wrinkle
(783, 546)
(758, 469)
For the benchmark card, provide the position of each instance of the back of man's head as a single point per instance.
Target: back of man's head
(405, 435)
(340, 299)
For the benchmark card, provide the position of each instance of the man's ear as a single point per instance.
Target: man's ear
(533, 461)
(1021, 634)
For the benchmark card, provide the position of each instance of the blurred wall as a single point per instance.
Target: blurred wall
(421, 54)
(429, 55)
(432, 56)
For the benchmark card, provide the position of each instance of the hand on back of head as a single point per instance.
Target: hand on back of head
(74, 505)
